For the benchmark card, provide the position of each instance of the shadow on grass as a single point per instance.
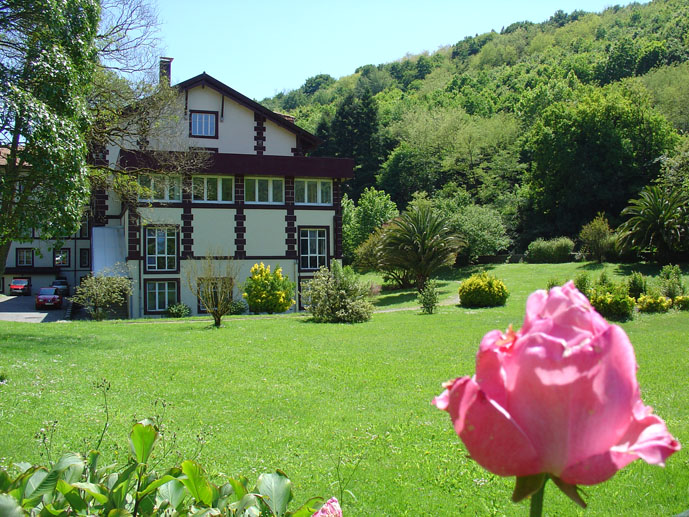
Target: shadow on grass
(592, 266)
(403, 296)
(46, 343)
(455, 274)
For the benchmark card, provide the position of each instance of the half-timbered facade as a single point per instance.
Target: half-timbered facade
(256, 198)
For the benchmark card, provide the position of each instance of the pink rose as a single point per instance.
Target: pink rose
(558, 397)
(330, 509)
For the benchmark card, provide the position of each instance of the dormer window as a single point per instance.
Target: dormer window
(203, 124)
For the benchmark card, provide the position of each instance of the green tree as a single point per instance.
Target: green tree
(421, 242)
(103, 292)
(358, 222)
(594, 154)
(597, 238)
(657, 221)
(47, 58)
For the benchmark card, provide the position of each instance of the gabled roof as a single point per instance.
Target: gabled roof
(309, 141)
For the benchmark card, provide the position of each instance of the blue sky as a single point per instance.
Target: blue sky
(262, 48)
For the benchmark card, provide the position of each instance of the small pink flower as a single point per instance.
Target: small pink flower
(330, 509)
(559, 397)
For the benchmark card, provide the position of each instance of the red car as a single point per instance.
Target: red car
(48, 297)
(20, 286)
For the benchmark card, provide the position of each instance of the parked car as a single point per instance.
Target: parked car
(61, 285)
(48, 297)
(20, 286)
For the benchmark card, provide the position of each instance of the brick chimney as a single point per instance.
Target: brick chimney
(165, 70)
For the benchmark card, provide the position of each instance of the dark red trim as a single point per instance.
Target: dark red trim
(215, 113)
(187, 217)
(290, 219)
(253, 165)
(308, 140)
(145, 293)
(239, 219)
(133, 237)
(260, 136)
(337, 220)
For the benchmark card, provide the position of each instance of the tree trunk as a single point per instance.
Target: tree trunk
(217, 320)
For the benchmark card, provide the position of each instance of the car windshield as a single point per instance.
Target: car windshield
(46, 291)
(20, 282)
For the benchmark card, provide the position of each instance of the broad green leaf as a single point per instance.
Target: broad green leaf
(153, 486)
(571, 491)
(239, 488)
(196, 482)
(49, 483)
(22, 466)
(5, 481)
(72, 495)
(119, 512)
(142, 439)
(526, 486)
(92, 462)
(308, 508)
(277, 491)
(34, 482)
(92, 490)
(172, 491)
(9, 507)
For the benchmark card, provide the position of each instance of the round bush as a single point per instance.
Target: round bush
(552, 251)
(178, 310)
(615, 305)
(268, 292)
(482, 290)
(681, 303)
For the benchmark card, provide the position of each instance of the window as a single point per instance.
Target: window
(84, 258)
(216, 291)
(61, 257)
(264, 190)
(161, 249)
(84, 229)
(160, 188)
(213, 188)
(203, 124)
(24, 257)
(312, 248)
(160, 295)
(313, 192)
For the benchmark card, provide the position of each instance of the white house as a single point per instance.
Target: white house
(257, 198)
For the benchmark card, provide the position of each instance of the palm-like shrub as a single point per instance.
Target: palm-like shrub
(419, 241)
(657, 221)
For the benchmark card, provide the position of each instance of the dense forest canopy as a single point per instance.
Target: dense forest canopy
(546, 124)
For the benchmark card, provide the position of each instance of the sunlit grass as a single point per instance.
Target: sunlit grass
(312, 399)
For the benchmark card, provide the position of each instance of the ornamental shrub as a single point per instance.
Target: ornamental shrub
(550, 251)
(583, 283)
(428, 297)
(637, 285)
(178, 310)
(552, 282)
(671, 284)
(268, 292)
(336, 295)
(597, 239)
(482, 290)
(237, 307)
(650, 303)
(616, 305)
(681, 303)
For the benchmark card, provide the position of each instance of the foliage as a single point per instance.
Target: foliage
(681, 302)
(428, 297)
(483, 231)
(657, 221)
(103, 292)
(552, 282)
(47, 58)
(650, 303)
(238, 307)
(550, 251)
(620, 129)
(671, 284)
(77, 485)
(370, 256)
(420, 242)
(597, 238)
(373, 209)
(178, 310)
(483, 290)
(636, 285)
(212, 280)
(335, 295)
(582, 281)
(268, 292)
(617, 305)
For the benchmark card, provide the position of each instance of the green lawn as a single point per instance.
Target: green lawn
(315, 399)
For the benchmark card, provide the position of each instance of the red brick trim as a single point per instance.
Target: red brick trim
(260, 137)
(337, 220)
(290, 220)
(187, 217)
(239, 219)
(133, 237)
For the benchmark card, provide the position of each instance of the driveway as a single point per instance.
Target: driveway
(21, 308)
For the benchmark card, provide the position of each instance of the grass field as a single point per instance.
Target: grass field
(344, 410)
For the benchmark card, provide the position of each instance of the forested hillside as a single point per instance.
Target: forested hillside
(542, 125)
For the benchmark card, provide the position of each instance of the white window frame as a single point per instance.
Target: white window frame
(270, 181)
(195, 191)
(305, 249)
(167, 183)
(203, 124)
(161, 287)
(171, 235)
(62, 257)
(25, 251)
(319, 183)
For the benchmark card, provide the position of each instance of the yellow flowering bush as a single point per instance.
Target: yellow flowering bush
(649, 303)
(682, 303)
(268, 292)
(483, 290)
